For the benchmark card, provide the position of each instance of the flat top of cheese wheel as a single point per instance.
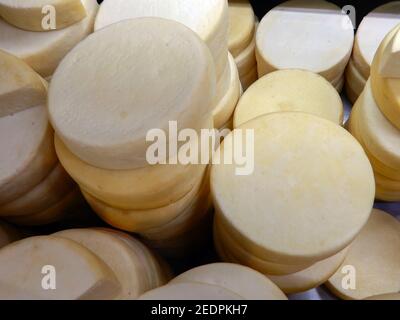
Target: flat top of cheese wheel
(79, 273)
(290, 90)
(154, 72)
(375, 257)
(310, 35)
(242, 280)
(190, 291)
(310, 193)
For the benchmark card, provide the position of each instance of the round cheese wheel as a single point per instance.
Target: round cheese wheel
(303, 35)
(47, 193)
(290, 90)
(209, 19)
(190, 291)
(8, 234)
(375, 257)
(246, 282)
(241, 26)
(43, 51)
(294, 160)
(249, 78)
(28, 152)
(389, 296)
(370, 33)
(111, 133)
(80, 274)
(354, 78)
(28, 15)
(20, 86)
(246, 60)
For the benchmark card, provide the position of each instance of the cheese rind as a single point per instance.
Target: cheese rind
(246, 60)
(390, 60)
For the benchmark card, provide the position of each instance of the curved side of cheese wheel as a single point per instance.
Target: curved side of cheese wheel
(354, 78)
(43, 51)
(47, 193)
(28, 15)
(246, 60)
(8, 234)
(78, 270)
(249, 78)
(381, 239)
(246, 282)
(340, 85)
(351, 95)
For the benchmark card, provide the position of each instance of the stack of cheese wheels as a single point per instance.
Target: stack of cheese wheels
(241, 41)
(8, 234)
(209, 19)
(370, 33)
(34, 188)
(290, 90)
(106, 117)
(307, 171)
(312, 35)
(372, 265)
(42, 32)
(85, 264)
(371, 123)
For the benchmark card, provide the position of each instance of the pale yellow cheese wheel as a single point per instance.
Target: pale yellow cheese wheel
(290, 90)
(249, 78)
(375, 257)
(354, 79)
(246, 60)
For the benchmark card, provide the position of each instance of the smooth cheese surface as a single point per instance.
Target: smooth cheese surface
(354, 78)
(389, 65)
(246, 60)
(334, 187)
(246, 282)
(43, 51)
(290, 90)
(172, 80)
(375, 256)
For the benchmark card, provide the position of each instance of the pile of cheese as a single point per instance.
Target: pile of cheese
(375, 118)
(304, 34)
(242, 41)
(84, 264)
(370, 33)
(34, 187)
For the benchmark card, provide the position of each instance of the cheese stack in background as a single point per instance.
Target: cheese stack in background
(241, 44)
(374, 120)
(90, 264)
(312, 35)
(34, 188)
(297, 183)
(370, 33)
(115, 127)
(26, 31)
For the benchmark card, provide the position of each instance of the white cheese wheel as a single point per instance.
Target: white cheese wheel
(370, 33)
(190, 291)
(28, 152)
(80, 274)
(20, 86)
(246, 282)
(306, 170)
(290, 90)
(111, 133)
(375, 257)
(241, 26)
(246, 60)
(139, 189)
(389, 296)
(303, 34)
(208, 18)
(44, 195)
(43, 51)
(8, 234)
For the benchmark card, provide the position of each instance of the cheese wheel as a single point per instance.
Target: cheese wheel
(8, 234)
(309, 35)
(119, 257)
(226, 106)
(80, 274)
(209, 19)
(29, 15)
(246, 60)
(111, 133)
(299, 146)
(249, 78)
(241, 26)
(389, 296)
(290, 90)
(47, 193)
(190, 291)
(370, 33)
(223, 82)
(354, 78)
(246, 282)
(139, 189)
(350, 93)
(20, 86)
(28, 152)
(375, 257)
(340, 85)
(43, 51)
